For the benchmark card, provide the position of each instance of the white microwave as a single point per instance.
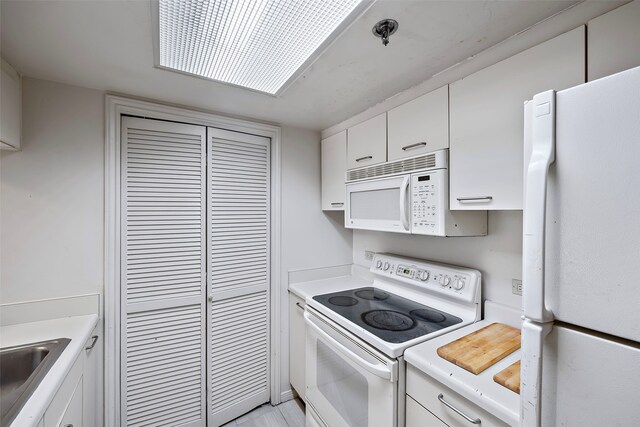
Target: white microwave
(408, 196)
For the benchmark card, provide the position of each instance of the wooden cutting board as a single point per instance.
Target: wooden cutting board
(509, 377)
(483, 348)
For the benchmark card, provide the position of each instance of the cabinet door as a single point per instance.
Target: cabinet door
(417, 416)
(367, 142)
(334, 166)
(614, 41)
(487, 120)
(92, 377)
(297, 344)
(72, 416)
(419, 126)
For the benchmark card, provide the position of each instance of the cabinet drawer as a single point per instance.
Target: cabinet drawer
(425, 390)
(367, 142)
(297, 344)
(419, 126)
(417, 416)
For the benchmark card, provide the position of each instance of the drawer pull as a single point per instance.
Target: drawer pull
(364, 158)
(412, 146)
(300, 306)
(475, 199)
(94, 340)
(458, 411)
(336, 204)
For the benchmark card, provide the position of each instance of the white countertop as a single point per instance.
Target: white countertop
(78, 329)
(325, 286)
(480, 389)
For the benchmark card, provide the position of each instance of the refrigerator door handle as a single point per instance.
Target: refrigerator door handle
(535, 206)
(533, 335)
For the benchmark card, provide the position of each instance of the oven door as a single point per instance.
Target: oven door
(379, 204)
(349, 384)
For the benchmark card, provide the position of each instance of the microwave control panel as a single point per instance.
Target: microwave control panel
(428, 200)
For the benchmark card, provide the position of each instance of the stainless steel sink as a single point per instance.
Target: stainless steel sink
(21, 370)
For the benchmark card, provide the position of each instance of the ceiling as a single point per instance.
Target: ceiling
(108, 45)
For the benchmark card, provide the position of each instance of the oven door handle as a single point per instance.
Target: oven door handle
(378, 370)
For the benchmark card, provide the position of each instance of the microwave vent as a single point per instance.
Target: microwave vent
(391, 168)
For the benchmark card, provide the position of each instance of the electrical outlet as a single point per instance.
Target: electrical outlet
(516, 286)
(368, 255)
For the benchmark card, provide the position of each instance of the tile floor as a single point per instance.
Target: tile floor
(287, 414)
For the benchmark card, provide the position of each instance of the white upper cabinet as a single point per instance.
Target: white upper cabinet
(419, 126)
(487, 120)
(11, 111)
(614, 41)
(334, 166)
(367, 142)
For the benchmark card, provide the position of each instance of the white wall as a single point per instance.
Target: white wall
(310, 237)
(51, 196)
(52, 201)
(498, 255)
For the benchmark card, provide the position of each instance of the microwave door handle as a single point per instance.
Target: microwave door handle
(404, 193)
(379, 370)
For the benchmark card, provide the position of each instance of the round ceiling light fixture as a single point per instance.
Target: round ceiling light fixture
(384, 29)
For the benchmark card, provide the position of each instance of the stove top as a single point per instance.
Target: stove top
(390, 317)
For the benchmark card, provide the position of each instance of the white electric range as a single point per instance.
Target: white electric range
(356, 338)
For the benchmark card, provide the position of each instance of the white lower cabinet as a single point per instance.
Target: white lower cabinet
(92, 408)
(77, 402)
(297, 344)
(440, 402)
(56, 413)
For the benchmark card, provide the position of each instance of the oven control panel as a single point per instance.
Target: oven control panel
(457, 282)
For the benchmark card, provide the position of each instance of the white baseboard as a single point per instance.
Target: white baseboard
(286, 395)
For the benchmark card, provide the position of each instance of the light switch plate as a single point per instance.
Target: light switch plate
(516, 286)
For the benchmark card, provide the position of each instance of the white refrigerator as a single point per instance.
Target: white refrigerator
(581, 261)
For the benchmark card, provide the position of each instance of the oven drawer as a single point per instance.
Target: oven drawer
(435, 397)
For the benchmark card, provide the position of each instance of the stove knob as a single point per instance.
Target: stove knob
(386, 266)
(458, 284)
(445, 281)
(423, 275)
(378, 264)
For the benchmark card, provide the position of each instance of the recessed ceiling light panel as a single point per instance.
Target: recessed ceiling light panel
(257, 44)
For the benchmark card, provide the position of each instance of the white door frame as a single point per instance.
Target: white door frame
(115, 107)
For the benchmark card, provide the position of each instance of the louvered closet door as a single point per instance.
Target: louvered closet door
(163, 276)
(238, 254)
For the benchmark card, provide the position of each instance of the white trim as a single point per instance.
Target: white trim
(115, 107)
(287, 395)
